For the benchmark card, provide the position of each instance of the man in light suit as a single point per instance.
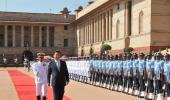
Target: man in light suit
(60, 78)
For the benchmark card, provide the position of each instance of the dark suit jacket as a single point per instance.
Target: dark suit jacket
(59, 78)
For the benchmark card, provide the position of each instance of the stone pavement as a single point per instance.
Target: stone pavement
(75, 90)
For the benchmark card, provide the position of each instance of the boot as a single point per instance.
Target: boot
(44, 98)
(38, 98)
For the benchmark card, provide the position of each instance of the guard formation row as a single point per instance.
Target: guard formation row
(142, 75)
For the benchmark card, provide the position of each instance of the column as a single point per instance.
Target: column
(40, 36)
(47, 43)
(6, 36)
(83, 33)
(32, 36)
(13, 34)
(22, 36)
(110, 25)
(103, 30)
(92, 31)
(89, 32)
(94, 27)
(107, 26)
(97, 33)
(100, 26)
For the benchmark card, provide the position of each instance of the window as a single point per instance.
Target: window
(65, 27)
(9, 36)
(26, 44)
(118, 6)
(141, 22)
(43, 43)
(117, 29)
(65, 42)
(1, 40)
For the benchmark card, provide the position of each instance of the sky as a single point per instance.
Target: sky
(41, 6)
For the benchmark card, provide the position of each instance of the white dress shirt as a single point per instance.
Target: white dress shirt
(58, 64)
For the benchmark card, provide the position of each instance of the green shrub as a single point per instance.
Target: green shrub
(105, 47)
(128, 49)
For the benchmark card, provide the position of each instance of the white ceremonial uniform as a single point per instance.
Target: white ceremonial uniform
(40, 71)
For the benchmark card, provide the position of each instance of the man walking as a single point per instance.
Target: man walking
(58, 71)
(40, 71)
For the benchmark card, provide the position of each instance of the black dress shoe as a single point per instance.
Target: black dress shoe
(38, 98)
(44, 98)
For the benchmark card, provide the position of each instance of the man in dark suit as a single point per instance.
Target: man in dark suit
(58, 76)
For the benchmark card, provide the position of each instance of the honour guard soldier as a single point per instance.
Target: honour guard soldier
(125, 73)
(150, 76)
(91, 69)
(120, 73)
(111, 72)
(40, 69)
(100, 70)
(142, 75)
(104, 66)
(158, 70)
(130, 73)
(116, 75)
(167, 74)
(135, 75)
(108, 67)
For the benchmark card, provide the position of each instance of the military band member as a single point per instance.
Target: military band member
(40, 71)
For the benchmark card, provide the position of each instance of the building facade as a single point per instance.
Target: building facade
(141, 24)
(36, 32)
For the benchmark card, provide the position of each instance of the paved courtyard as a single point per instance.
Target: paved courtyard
(75, 90)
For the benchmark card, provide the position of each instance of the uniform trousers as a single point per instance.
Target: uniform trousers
(136, 82)
(142, 83)
(130, 82)
(125, 81)
(158, 86)
(115, 79)
(150, 86)
(41, 87)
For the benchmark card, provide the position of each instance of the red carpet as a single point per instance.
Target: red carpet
(25, 86)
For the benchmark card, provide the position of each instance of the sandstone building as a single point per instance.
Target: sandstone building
(36, 32)
(141, 24)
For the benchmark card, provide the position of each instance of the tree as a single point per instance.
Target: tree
(105, 47)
